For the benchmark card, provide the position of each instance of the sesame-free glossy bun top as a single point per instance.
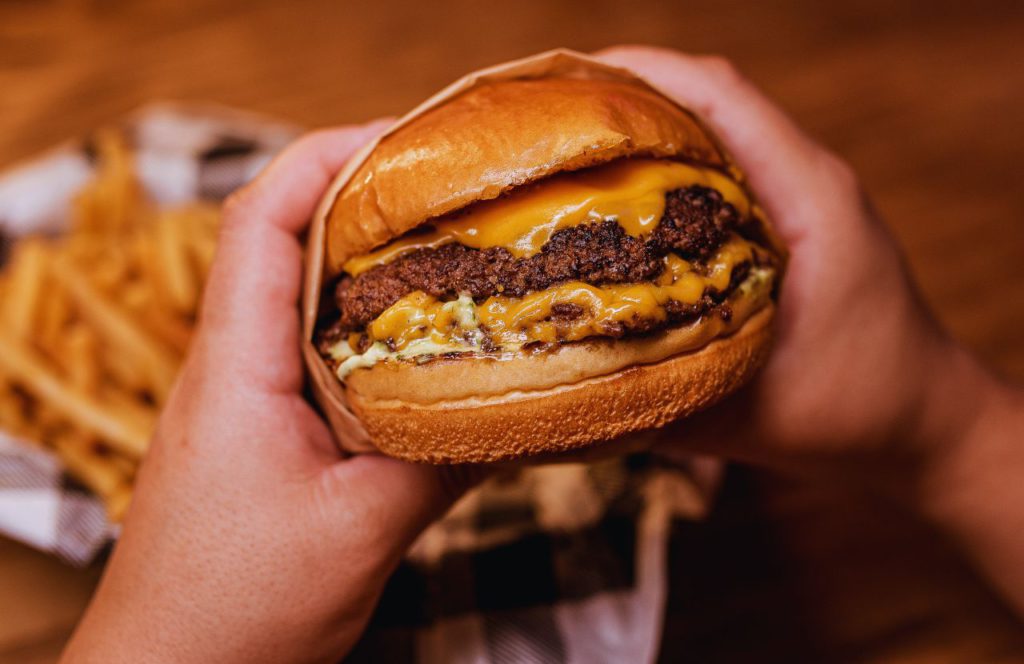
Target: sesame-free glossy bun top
(501, 135)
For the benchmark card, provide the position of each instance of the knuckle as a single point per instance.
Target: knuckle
(723, 68)
(644, 50)
(840, 172)
(308, 141)
(624, 49)
(645, 54)
(237, 211)
(236, 205)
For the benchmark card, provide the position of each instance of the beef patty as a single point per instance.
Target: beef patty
(695, 224)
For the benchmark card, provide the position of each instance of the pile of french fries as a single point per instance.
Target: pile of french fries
(94, 324)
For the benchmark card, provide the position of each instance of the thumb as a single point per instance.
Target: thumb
(250, 318)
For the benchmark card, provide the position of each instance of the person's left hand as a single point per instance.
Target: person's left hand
(250, 537)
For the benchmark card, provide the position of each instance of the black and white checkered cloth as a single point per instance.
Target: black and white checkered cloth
(561, 563)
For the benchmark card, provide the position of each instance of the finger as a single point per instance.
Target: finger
(400, 499)
(250, 319)
(781, 162)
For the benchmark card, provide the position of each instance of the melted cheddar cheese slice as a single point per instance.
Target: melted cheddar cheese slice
(631, 191)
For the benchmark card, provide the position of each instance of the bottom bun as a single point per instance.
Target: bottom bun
(567, 417)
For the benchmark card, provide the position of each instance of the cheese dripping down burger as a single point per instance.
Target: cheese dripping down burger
(536, 266)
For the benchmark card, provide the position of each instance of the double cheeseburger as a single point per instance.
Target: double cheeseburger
(536, 266)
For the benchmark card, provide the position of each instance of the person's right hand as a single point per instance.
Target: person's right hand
(863, 386)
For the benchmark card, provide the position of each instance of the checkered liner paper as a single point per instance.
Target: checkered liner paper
(560, 563)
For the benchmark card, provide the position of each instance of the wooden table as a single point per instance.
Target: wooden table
(925, 100)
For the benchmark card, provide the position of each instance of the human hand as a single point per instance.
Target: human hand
(856, 351)
(250, 538)
(863, 386)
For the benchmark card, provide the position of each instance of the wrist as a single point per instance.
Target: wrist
(957, 439)
(981, 460)
(971, 487)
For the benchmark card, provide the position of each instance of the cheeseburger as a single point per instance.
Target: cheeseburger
(539, 265)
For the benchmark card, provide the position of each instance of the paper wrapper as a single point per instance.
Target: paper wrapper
(327, 389)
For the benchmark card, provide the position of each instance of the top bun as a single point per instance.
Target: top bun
(501, 135)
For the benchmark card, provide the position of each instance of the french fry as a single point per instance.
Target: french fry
(22, 299)
(147, 256)
(114, 198)
(110, 271)
(48, 419)
(137, 296)
(117, 503)
(88, 466)
(203, 246)
(174, 332)
(54, 316)
(164, 325)
(81, 359)
(127, 435)
(12, 414)
(174, 271)
(83, 248)
(119, 330)
(122, 370)
(124, 465)
(128, 405)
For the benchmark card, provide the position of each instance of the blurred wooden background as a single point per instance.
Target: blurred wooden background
(924, 98)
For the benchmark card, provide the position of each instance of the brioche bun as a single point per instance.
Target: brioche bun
(474, 147)
(497, 137)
